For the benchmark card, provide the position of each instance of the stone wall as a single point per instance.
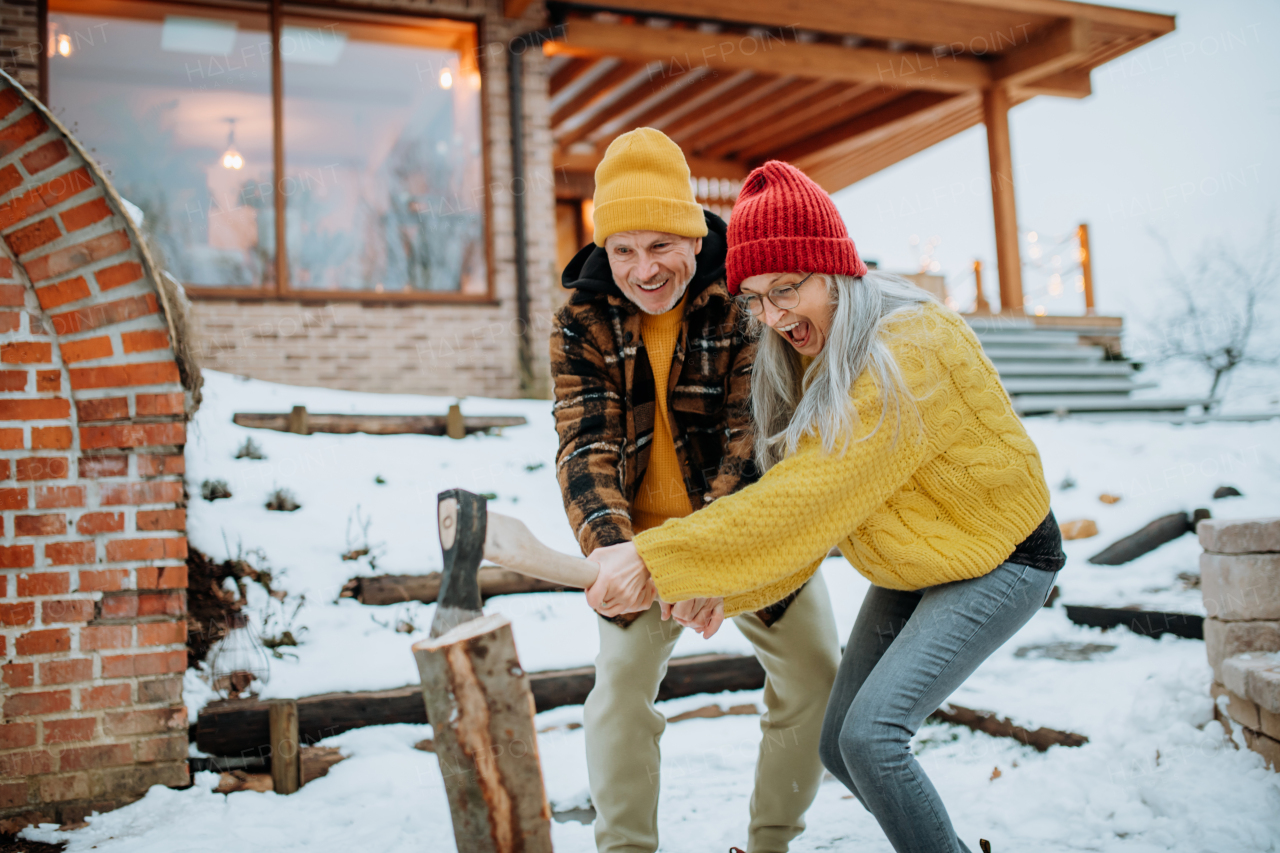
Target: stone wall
(92, 427)
(1240, 580)
(421, 348)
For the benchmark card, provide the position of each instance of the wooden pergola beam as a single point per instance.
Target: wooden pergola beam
(902, 107)
(699, 167)
(1064, 84)
(928, 22)
(676, 98)
(835, 111)
(598, 89)
(773, 54)
(1056, 48)
(574, 68)
(727, 134)
(722, 108)
(744, 88)
(995, 114)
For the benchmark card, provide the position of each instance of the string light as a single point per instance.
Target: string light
(446, 79)
(231, 158)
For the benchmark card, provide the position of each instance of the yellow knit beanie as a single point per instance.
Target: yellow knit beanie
(642, 184)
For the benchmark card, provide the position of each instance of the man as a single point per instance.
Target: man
(652, 375)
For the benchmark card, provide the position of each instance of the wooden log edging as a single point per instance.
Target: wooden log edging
(1147, 623)
(239, 727)
(1164, 529)
(304, 422)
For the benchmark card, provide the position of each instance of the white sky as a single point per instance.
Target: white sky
(1179, 137)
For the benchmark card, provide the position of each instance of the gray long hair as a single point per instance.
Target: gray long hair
(786, 405)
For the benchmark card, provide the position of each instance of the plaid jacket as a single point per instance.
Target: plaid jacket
(605, 396)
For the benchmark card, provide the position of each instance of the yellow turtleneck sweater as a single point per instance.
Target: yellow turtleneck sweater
(939, 498)
(662, 493)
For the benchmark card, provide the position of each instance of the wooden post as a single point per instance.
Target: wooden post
(995, 113)
(481, 711)
(298, 421)
(980, 305)
(454, 426)
(1086, 268)
(283, 725)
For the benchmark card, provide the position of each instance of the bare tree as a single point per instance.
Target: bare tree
(1217, 308)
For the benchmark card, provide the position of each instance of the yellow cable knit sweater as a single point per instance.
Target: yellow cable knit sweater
(944, 498)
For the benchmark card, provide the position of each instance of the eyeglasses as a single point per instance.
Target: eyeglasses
(783, 298)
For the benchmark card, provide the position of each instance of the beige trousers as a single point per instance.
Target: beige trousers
(800, 654)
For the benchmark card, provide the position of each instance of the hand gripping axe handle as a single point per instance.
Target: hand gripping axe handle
(470, 533)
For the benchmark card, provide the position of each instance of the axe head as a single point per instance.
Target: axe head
(462, 517)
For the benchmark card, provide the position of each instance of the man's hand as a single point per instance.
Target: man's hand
(623, 585)
(704, 615)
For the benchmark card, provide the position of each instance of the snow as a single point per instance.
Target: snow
(1157, 773)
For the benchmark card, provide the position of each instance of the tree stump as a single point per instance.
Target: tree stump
(481, 710)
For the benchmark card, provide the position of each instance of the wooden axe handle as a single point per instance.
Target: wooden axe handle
(509, 544)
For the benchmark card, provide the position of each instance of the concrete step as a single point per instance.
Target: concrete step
(1039, 404)
(1072, 368)
(1072, 386)
(1003, 352)
(1028, 337)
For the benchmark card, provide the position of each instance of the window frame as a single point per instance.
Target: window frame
(278, 290)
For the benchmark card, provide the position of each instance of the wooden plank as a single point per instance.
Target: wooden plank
(827, 121)
(1056, 48)
(772, 55)
(713, 113)
(902, 107)
(344, 424)
(700, 166)
(381, 590)
(1065, 84)
(736, 89)
(783, 104)
(1148, 623)
(574, 68)
(669, 96)
(282, 722)
(995, 115)
(597, 89)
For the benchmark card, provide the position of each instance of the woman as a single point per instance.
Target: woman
(882, 429)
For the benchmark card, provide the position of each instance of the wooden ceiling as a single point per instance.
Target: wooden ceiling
(841, 89)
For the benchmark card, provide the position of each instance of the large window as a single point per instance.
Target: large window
(284, 152)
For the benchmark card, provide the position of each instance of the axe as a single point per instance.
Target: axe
(468, 534)
(477, 695)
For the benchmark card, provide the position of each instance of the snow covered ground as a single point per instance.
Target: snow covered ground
(1157, 773)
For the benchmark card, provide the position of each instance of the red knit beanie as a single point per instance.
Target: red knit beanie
(784, 222)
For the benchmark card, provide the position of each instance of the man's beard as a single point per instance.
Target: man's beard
(671, 303)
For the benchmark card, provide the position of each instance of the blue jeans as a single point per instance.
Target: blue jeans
(907, 653)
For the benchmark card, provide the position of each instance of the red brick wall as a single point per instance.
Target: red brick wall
(92, 424)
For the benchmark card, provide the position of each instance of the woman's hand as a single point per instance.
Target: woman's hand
(704, 615)
(623, 585)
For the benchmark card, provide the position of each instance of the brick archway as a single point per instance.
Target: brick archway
(95, 390)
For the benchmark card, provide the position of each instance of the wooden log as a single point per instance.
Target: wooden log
(1164, 529)
(397, 589)
(238, 727)
(481, 707)
(282, 720)
(1148, 623)
(345, 424)
(986, 721)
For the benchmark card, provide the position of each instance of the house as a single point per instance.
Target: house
(339, 189)
(375, 196)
